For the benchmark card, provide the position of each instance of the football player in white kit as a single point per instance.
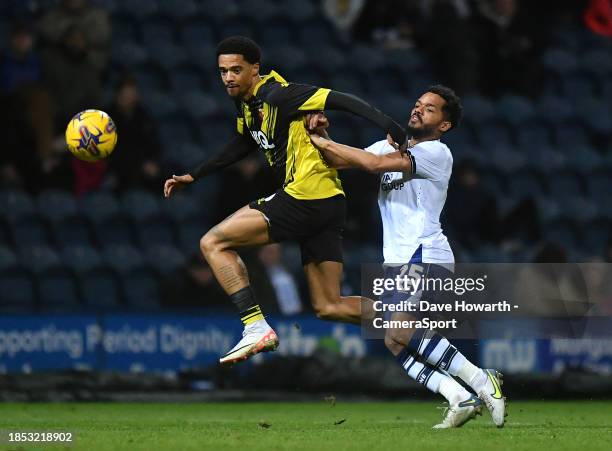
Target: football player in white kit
(413, 187)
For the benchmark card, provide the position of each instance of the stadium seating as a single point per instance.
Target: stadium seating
(108, 251)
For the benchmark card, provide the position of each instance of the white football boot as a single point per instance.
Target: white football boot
(492, 396)
(256, 337)
(456, 415)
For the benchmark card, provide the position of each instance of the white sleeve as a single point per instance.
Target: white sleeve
(430, 162)
(380, 148)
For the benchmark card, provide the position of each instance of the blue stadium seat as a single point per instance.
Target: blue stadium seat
(267, 16)
(29, 231)
(407, 62)
(478, 110)
(157, 32)
(315, 33)
(306, 75)
(348, 82)
(186, 155)
(560, 61)
(150, 80)
(17, 290)
(298, 11)
(506, 159)
(515, 110)
(81, 258)
(532, 136)
(197, 31)
(141, 290)
(202, 54)
(219, 11)
(57, 288)
(565, 184)
(578, 86)
(16, 204)
(139, 205)
(57, 205)
(494, 135)
(7, 258)
(599, 185)
(555, 110)
(161, 105)
(595, 236)
(490, 254)
(560, 232)
(182, 207)
(165, 259)
(113, 231)
(138, 9)
(362, 53)
(125, 29)
(179, 10)
(185, 80)
(72, 231)
(275, 33)
(287, 58)
(100, 288)
(122, 259)
(190, 233)
(156, 231)
(599, 117)
(547, 160)
(38, 258)
(460, 140)
(579, 209)
(583, 159)
(241, 25)
(214, 133)
(99, 205)
(597, 62)
(571, 135)
(526, 185)
(198, 106)
(174, 132)
(129, 54)
(167, 56)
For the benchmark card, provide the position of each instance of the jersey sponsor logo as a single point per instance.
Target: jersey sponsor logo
(387, 184)
(262, 140)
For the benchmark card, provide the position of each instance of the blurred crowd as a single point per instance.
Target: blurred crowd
(56, 61)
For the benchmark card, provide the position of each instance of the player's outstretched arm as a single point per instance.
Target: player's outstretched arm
(359, 158)
(353, 104)
(236, 149)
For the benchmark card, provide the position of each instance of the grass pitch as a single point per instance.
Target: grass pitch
(368, 426)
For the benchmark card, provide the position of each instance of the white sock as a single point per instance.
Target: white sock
(452, 390)
(472, 375)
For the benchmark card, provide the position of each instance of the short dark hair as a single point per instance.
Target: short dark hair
(452, 109)
(240, 45)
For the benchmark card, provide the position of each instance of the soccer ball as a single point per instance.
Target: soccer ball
(91, 135)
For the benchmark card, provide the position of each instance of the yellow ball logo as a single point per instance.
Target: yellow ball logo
(91, 135)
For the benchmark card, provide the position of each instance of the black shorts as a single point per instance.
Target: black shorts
(316, 224)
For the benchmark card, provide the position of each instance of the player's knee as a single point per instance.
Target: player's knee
(209, 243)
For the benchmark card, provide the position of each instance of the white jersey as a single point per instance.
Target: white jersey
(410, 204)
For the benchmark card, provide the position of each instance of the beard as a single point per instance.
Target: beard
(421, 132)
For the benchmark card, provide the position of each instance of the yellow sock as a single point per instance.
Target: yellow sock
(251, 315)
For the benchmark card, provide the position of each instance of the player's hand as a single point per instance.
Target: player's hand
(317, 123)
(401, 148)
(177, 182)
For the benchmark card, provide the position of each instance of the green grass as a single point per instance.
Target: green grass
(371, 426)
